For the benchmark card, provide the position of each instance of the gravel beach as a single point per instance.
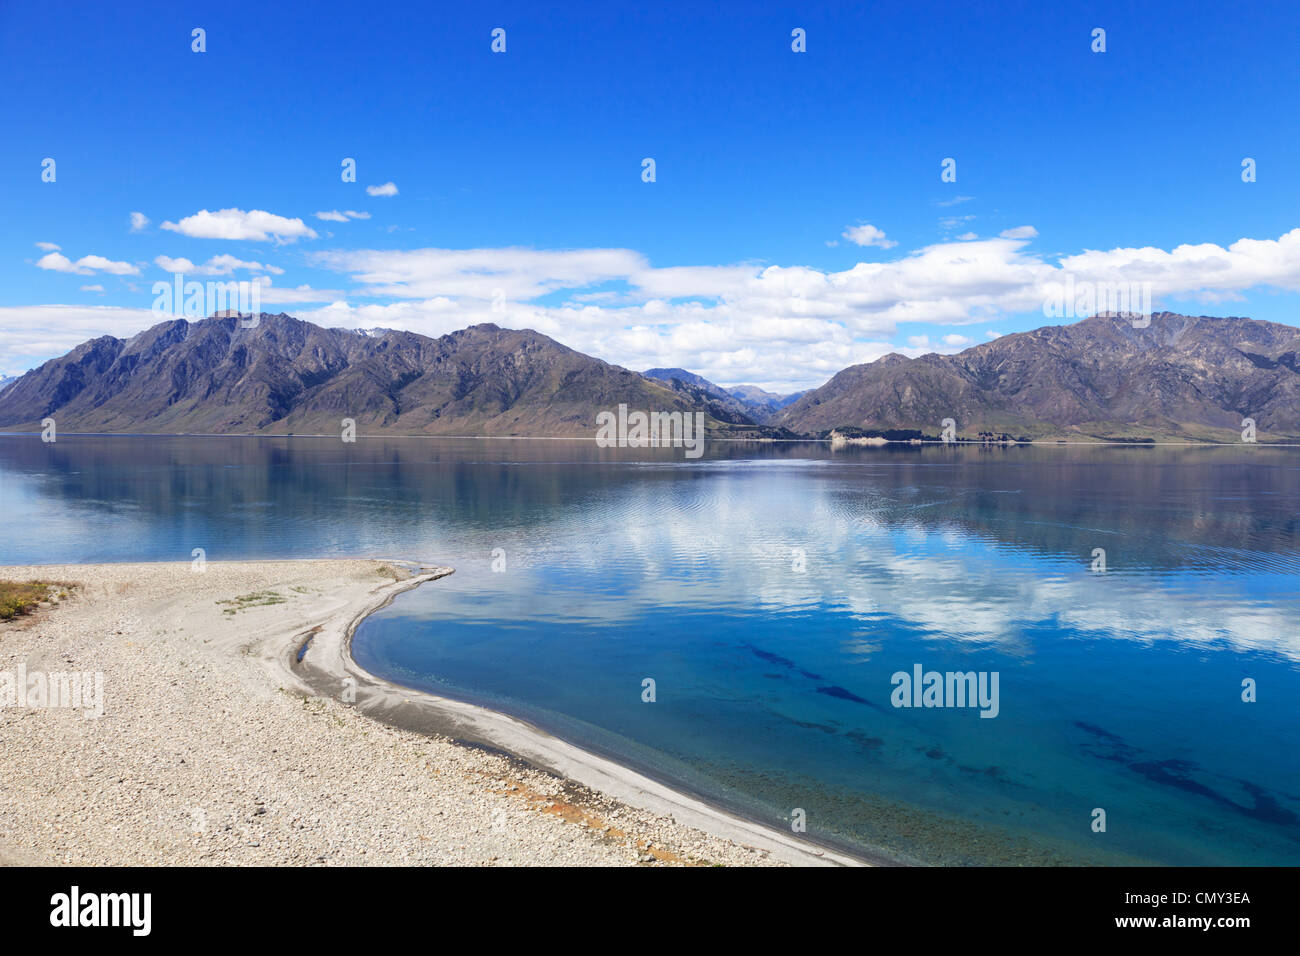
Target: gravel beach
(218, 746)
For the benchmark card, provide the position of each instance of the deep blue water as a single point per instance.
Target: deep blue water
(1119, 690)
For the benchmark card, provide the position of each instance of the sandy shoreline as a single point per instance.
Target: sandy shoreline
(218, 746)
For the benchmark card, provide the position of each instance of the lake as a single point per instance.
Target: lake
(770, 598)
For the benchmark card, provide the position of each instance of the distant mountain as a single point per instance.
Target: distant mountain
(681, 375)
(763, 405)
(284, 375)
(701, 392)
(1179, 378)
(746, 400)
(6, 381)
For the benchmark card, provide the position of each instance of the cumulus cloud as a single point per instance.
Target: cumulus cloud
(284, 295)
(1019, 232)
(387, 189)
(868, 235)
(86, 265)
(783, 327)
(175, 265)
(31, 334)
(48, 246)
(222, 265)
(256, 225)
(779, 326)
(139, 221)
(1202, 269)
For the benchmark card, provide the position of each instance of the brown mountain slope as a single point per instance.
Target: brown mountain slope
(285, 375)
(1182, 377)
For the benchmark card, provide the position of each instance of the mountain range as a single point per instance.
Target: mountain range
(1178, 378)
(285, 376)
(748, 401)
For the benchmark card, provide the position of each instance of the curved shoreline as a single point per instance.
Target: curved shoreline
(215, 747)
(327, 664)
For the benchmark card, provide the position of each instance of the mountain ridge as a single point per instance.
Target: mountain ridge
(289, 376)
(1187, 378)
(1177, 378)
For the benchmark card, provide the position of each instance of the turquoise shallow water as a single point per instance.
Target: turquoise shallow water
(770, 592)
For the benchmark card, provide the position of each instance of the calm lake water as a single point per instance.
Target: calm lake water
(772, 592)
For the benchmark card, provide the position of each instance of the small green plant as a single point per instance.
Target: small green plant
(252, 599)
(22, 597)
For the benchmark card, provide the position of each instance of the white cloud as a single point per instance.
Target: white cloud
(954, 201)
(30, 334)
(968, 236)
(521, 274)
(335, 215)
(283, 295)
(48, 246)
(868, 235)
(256, 225)
(168, 264)
(1205, 270)
(138, 221)
(1019, 232)
(781, 327)
(226, 264)
(778, 326)
(100, 264)
(921, 345)
(387, 189)
(222, 265)
(92, 288)
(86, 265)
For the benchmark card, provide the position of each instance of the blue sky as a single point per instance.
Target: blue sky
(518, 175)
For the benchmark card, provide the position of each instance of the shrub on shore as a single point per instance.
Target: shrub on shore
(23, 597)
